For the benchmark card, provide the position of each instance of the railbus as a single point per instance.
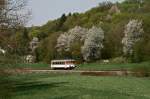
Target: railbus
(63, 64)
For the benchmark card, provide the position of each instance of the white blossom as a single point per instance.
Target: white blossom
(29, 58)
(91, 38)
(133, 33)
(93, 44)
(65, 40)
(77, 33)
(2, 51)
(34, 44)
(62, 42)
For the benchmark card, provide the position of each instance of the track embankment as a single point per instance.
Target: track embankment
(87, 72)
(81, 72)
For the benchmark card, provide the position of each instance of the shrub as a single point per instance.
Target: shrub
(141, 72)
(119, 60)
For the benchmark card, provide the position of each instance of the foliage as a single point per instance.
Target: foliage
(11, 15)
(119, 60)
(9, 60)
(13, 34)
(114, 10)
(33, 44)
(74, 37)
(18, 43)
(133, 33)
(93, 44)
(46, 50)
(141, 71)
(104, 6)
(61, 38)
(34, 33)
(65, 40)
(62, 42)
(141, 51)
(69, 43)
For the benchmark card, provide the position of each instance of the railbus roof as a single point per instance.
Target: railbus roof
(62, 60)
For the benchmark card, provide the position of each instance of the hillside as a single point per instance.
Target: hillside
(111, 18)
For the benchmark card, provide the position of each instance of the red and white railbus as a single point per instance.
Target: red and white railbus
(63, 64)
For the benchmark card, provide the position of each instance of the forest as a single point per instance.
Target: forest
(110, 31)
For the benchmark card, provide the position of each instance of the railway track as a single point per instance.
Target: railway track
(76, 71)
(81, 72)
(87, 72)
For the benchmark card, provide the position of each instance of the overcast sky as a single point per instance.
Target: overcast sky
(44, 10)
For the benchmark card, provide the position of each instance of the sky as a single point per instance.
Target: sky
(45, 10)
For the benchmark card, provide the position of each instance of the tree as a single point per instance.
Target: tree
(93, 44)
(76, 39)
(62, 19)
(133, 33)
(77, 34)
(23, 42)
(61, 22)
(105, 5)
(62, 42)
(13, 14)
(34, 44)
(18, 43)
(66, 39)
(73, 40)
(46, 50)
(13, 17)
(133, 1)
(34, 33)
(114, 10)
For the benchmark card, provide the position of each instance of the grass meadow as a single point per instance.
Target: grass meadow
(113, 66)
(88, 66)
(73, 86)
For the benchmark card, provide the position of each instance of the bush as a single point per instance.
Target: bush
(141, 72)
(9, 59)
(141, 51)
(119, 60)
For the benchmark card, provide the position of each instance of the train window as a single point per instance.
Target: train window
(58, 63)
(63, 62)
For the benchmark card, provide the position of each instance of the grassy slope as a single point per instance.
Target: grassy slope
(89, 66)
(25, 65)
(34, 66)
(126, 66)
(55, 86)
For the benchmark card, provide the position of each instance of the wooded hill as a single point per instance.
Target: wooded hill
(110, 20)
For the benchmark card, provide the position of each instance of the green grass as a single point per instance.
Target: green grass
(75, 86)
(34, 66)
(113, 66)
(26, 65)
(86, 66)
